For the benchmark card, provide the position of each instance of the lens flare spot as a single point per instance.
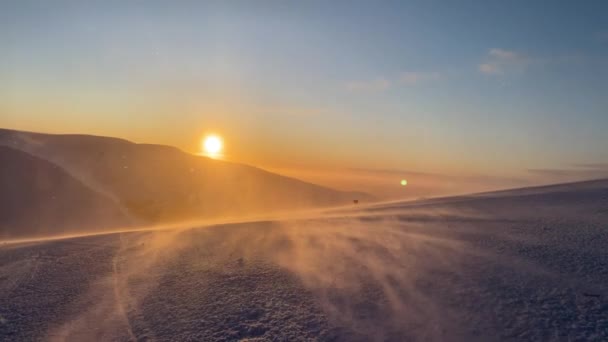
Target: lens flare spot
(403, 182)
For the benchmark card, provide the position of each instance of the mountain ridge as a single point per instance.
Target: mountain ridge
(153, 183)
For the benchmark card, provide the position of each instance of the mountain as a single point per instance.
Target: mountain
(161, 184)
(39, 198)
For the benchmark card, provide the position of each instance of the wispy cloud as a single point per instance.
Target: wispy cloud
(489, 69)
(504, 54)
(500, 61)
(600, 166)
(408, 78)
(576, 172)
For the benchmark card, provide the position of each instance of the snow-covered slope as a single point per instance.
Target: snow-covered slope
(161, 184)
(513, 266)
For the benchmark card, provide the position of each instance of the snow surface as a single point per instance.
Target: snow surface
(519, 265)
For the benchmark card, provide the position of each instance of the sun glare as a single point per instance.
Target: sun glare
(212, 146)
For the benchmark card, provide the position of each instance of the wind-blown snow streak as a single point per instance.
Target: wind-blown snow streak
(524, 266)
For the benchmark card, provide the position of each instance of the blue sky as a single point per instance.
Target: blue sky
(468, 87)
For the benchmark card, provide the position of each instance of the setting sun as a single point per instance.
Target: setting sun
(212, 146)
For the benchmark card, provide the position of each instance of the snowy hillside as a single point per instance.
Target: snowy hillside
(153, 184)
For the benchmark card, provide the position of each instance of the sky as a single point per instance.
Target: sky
(488, 92)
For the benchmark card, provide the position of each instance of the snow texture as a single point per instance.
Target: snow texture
(527, 265)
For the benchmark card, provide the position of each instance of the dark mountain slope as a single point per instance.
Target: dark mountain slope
(163, 184)
(40, 198)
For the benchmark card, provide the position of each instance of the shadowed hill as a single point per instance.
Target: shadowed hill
(163, 184)
(40, 198)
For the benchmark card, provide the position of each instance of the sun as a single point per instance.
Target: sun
(212, 146)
